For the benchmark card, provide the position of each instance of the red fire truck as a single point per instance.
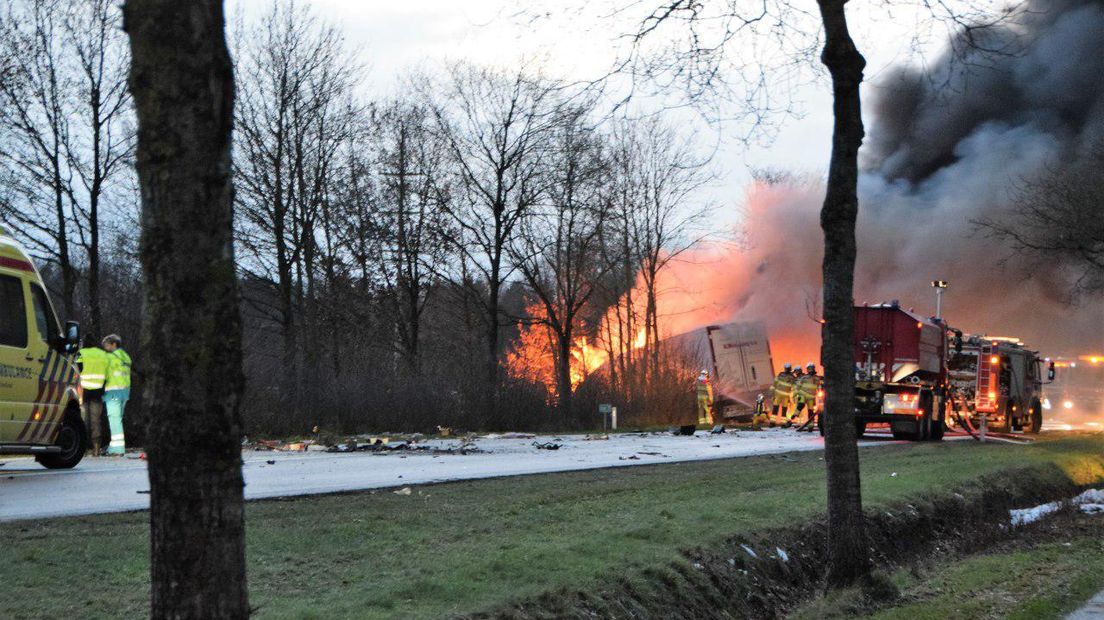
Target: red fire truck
(900, 372)
(913, 372)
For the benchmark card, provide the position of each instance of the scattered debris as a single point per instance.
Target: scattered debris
(893, 475)
(749, 550)
(444, 431)
(653, 454)
(271, 461)
(601, 437)
(1092, 509)
(782, 555)
(518, 435)
(548, 445)
(687, 430)
(718, 430)
(143, 491)
(629, 458)
(402, 491)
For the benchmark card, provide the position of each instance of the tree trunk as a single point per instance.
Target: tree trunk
(848, 555)
(182, 82)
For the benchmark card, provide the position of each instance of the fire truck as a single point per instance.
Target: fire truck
(999, 378)
(900, 372)
(914, 372)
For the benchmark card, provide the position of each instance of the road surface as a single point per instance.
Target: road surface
(101, 485)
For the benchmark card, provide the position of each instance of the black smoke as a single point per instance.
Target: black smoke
(1041, 71)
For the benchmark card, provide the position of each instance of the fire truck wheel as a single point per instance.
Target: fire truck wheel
(860, 428)
(1036, 420)
(937, 430)
(73, 442)
(927, 408)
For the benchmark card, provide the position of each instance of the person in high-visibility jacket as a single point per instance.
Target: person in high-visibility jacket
(705, 399)
(116, 391)
(92, 363)
(782, 391)
(805, 391)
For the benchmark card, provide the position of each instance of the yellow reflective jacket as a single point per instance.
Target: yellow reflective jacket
(806, 388)
(93, 361)
(783, 384)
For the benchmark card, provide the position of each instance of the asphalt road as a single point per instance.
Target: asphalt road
(100, 485)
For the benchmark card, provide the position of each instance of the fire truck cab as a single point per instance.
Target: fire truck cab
(39, 399)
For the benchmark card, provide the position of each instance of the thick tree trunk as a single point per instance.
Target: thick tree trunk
(182, 82)
(848, 555)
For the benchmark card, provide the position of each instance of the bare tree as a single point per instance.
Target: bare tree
(495, 125)
(1058, 217)
(35, 104)
(65, 111)
(657, 175)
(183, 87)
(295, 77)
(557, 248)
(413, 224)
(100, 149)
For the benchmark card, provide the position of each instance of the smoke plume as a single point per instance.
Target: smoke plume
(946, 147)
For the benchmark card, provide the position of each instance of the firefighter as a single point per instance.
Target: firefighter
(116, 391)
(805, 391)
(92, 363)
(782, 391)
(705, 399)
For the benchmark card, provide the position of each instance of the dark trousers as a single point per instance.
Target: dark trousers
(94, 418)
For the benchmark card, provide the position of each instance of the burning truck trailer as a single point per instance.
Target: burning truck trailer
(916, 374)
(738, 358)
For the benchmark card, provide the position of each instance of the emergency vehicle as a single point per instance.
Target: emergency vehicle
(998, 377)
(39, 399)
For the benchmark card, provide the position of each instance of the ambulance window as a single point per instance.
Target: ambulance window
(13, 313)
(44, 319)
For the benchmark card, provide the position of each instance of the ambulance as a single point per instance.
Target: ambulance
(39, 399)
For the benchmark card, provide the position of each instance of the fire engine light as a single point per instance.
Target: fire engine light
(994, 360)
(1068, 404)
(919, 325)
(992, 395)
(1046, 404)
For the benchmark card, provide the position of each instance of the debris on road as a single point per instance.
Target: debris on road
(547, 445)
(403, 491)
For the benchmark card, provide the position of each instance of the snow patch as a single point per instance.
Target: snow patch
(1091, 502)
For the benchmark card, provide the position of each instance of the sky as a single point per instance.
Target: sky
(392, 37)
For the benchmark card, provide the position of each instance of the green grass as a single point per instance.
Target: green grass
(461, 547)
(1045, 581)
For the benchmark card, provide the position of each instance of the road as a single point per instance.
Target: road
(101, 485)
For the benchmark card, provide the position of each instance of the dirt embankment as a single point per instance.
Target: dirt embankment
(769, 573)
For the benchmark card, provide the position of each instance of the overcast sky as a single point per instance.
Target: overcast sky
(391, 37)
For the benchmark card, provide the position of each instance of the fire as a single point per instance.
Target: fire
(533, 356)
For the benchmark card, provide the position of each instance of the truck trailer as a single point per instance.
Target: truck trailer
(738, 358)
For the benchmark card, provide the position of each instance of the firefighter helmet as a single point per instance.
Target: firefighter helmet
(810, 366)
(787, 367)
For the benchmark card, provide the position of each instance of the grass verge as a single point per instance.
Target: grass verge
(1040, 572)
(460, 547)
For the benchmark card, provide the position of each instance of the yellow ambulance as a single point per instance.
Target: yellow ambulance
(39, 400)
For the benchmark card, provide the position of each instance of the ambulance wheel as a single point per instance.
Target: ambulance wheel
(1036, 419)
(73, 441)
